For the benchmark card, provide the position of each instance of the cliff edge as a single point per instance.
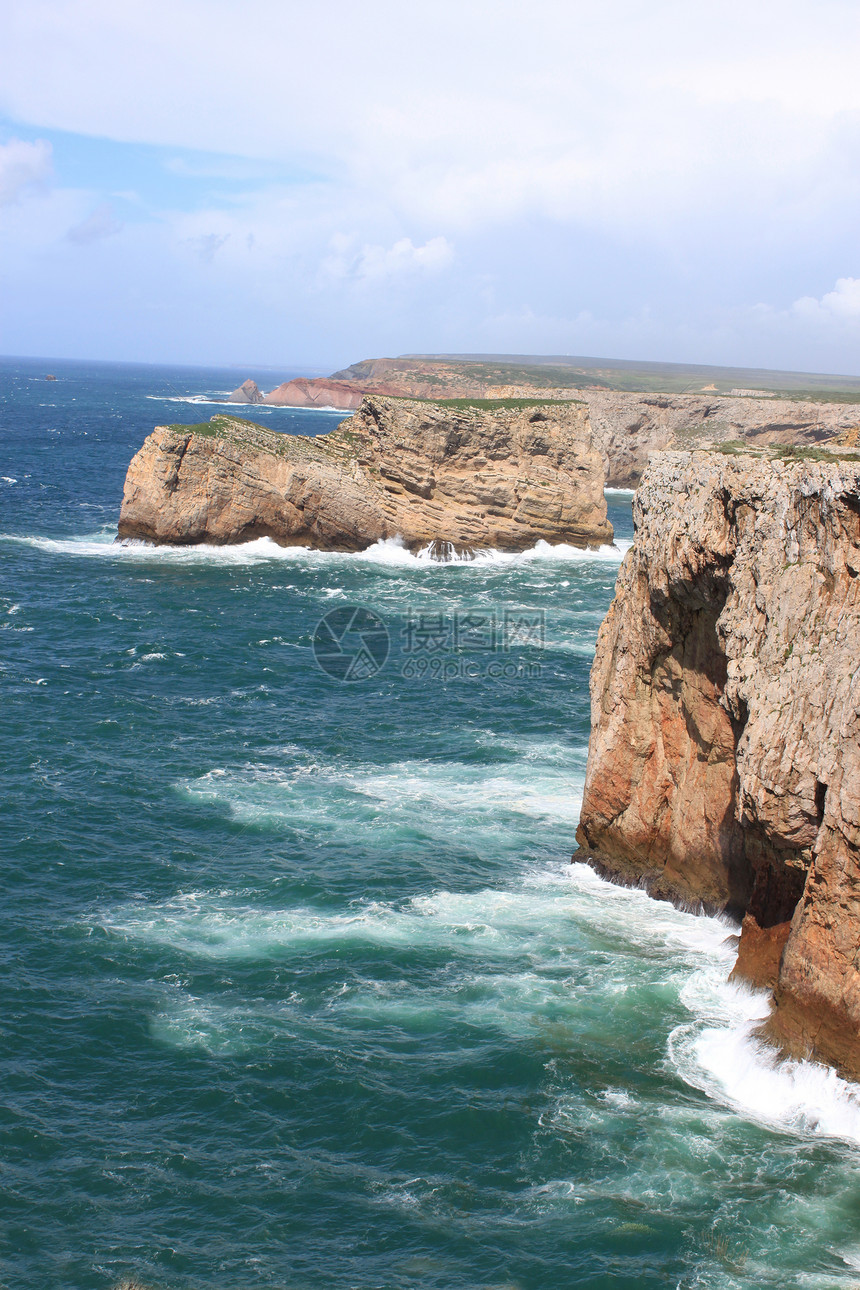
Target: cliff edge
(724, 762)
(475, 477)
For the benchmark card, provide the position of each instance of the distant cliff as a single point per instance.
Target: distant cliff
(315, 392)
(724, 763)
(486, 477)
(627, 426)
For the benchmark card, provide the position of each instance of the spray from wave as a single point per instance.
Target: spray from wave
(213, 400)
(389, 551)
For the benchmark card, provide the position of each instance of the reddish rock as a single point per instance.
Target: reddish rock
(316, 392)
(724, 763)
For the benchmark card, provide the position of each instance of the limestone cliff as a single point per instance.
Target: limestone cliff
(473, 477)
(627, 426)
(724, 763)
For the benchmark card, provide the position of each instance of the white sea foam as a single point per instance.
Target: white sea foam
(727, 1061)
(486, 923)
(717, 1051)
(238, 408)
(391, 551)
(525, 943)
(521, 949)
(7, 479)
(440, 798)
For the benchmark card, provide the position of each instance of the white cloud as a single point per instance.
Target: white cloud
(100, 223)
(208, 245)
(23, 168)
(379, 263)
(625, 111)
(622, 178)
(841, 305)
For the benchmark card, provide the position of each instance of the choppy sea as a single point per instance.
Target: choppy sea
(299, 986)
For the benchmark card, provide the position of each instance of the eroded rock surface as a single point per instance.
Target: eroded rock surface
(247, 392)
(724, 764)
(315, 392)
(627, 428)
(475, 478)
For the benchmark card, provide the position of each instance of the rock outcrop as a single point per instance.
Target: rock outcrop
(248, 392)
(724, 763)
(316, 392)
(629, 427)
(472, 477)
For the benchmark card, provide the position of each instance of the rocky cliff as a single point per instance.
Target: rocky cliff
(627, 427)
(724, 763)
(315, 392)
(473, 477)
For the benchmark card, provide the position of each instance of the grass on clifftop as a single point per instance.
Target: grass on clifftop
(218, 427)
(784, 452)
(250, 434)
(492, 405)
(496, 405)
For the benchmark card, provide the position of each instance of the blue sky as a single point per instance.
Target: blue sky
(302, 186)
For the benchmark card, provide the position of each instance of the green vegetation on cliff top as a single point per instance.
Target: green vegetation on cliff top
(632, 376)
(494, 405)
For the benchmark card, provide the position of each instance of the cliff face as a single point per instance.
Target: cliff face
(476, 478)
(315, 392)
(629, 427)
(724, 763)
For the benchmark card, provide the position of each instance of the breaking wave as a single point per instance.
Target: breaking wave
(391, 551)
(207, 400)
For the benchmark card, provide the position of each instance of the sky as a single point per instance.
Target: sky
(289, 185)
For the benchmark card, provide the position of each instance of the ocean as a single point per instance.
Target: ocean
(300, 987)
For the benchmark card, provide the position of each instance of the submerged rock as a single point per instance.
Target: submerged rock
(474, 478)
(724, 763)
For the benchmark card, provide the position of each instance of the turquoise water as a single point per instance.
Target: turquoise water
(300, 988)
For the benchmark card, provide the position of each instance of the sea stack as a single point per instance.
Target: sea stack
(473, 477)
(724, 763)
(247, 392)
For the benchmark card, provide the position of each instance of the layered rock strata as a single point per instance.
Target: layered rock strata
(724, 763)
(627, 428)
(474, 478)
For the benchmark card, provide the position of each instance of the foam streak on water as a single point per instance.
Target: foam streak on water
(103, 544)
